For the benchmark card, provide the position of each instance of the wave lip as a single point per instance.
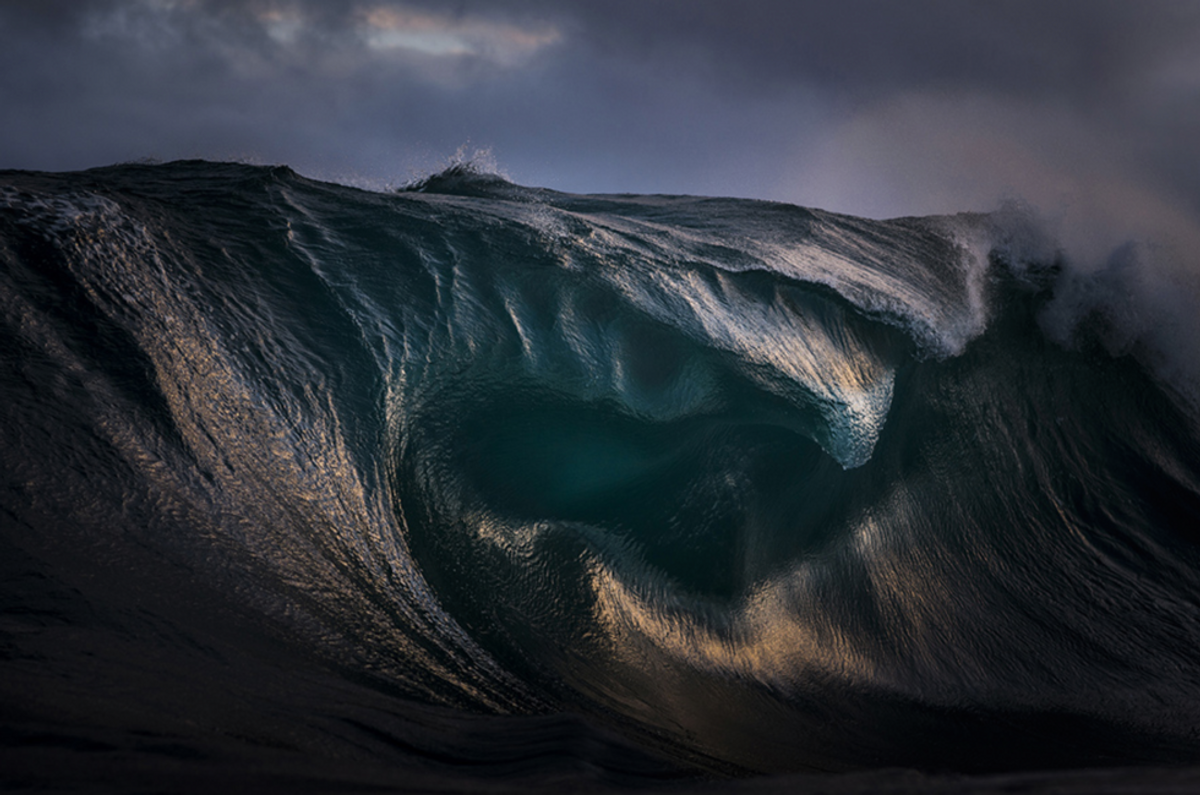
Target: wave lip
(758, 487)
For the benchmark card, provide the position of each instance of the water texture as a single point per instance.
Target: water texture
(476, 486)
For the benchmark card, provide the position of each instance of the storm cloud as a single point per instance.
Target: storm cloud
(1082, 109)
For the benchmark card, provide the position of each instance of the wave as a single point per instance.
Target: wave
(736, 485)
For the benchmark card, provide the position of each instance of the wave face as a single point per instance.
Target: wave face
(410, 478)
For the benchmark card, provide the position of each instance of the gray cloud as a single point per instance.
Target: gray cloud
(876, 108)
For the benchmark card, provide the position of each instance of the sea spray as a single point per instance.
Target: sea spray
(757, 488)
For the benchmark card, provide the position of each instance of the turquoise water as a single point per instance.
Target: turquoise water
(624, 489)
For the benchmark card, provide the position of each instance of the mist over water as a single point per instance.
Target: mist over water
(499, 486)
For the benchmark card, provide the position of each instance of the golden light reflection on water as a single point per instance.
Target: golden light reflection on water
(259, 471)
(767, 637)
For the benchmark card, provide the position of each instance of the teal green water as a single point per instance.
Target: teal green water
(744, 487)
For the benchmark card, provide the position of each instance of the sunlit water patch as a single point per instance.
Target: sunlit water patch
(624, 489)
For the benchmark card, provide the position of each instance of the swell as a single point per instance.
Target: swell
(759, 487)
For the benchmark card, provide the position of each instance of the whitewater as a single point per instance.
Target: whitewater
(471, 486)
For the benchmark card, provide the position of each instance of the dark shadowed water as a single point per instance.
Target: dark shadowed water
(475, 487)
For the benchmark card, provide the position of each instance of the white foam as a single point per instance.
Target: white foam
(60, 213)
(1141, 283)
(1148, 299)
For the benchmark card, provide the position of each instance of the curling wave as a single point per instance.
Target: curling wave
(755, 487)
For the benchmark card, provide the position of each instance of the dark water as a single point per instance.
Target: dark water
(481, 487)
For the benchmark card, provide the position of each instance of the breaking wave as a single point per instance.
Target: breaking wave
(479, 476)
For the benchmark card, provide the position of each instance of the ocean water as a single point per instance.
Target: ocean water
(477, 487)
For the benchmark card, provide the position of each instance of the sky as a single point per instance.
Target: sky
(1080, 108)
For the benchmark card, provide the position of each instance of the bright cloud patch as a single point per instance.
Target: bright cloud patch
(256, 36)
(283, 27)
(391, 28)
